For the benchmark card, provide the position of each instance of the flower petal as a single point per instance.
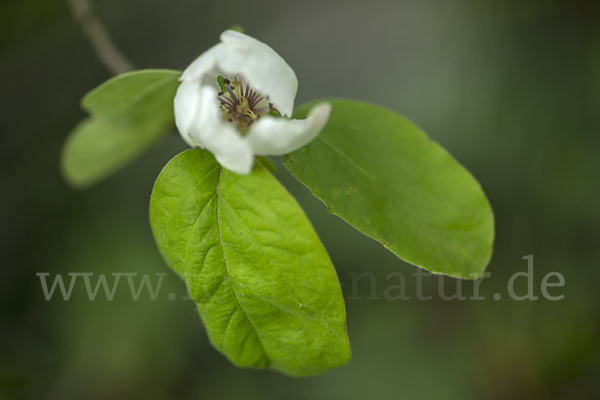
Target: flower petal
(185, 106)
(272, 136)
(204, 68)
(200, 125)
(256, 62)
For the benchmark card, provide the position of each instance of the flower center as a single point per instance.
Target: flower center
(241, 105)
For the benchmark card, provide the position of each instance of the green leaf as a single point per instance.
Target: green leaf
(127, 115)
(266, 162)
(237, 28)
(383, 176)
(263, 283)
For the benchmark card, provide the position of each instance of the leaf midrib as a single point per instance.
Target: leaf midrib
(426, 223)
(136, 99)
(228, 272)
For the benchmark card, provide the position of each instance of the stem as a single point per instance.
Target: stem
(106, 50)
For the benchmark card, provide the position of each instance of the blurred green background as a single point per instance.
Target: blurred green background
(511, 88)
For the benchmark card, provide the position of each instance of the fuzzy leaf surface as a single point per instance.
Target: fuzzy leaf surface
(128, 114)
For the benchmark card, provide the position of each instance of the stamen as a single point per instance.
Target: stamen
(227, 100)
(230, 106)
(236, 86)
(256, 101)
(239, 103)
(261, 110)
(233, 96)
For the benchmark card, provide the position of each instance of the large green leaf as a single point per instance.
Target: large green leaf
(127, 115)
(383, 176)
(263, 283)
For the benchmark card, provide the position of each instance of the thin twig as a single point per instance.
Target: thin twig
(106, 50)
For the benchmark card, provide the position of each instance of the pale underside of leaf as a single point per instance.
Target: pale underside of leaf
(128, 114)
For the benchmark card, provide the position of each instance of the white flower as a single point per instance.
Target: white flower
(235, 100)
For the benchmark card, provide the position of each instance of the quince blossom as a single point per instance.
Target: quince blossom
(235, 101)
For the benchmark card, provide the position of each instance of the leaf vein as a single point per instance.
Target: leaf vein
(229, 275)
